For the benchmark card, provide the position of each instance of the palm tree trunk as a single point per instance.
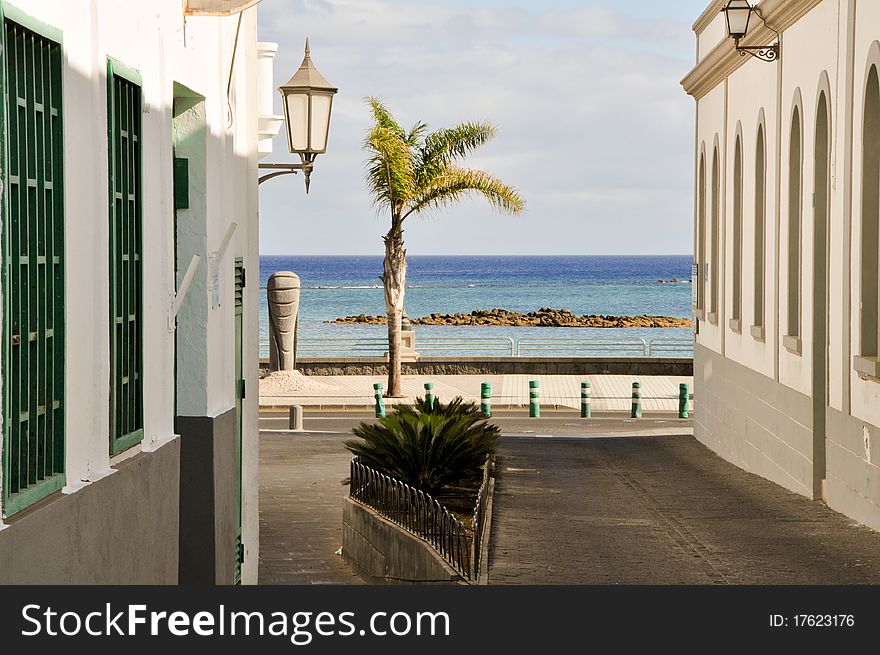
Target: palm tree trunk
(394, 282)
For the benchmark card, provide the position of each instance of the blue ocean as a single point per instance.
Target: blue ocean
(620, 285)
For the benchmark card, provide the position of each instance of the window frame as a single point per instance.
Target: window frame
(10, 503)
(119, 443)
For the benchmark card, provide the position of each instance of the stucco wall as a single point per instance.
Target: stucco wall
(166, 49)
(759, 404)
(383, 553)
(119, 529)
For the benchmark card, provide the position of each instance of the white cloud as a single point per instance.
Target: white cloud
(594, 128)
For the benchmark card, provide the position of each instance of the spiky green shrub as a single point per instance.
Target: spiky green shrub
(429, 448)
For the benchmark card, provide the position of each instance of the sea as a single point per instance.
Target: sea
(334, 287)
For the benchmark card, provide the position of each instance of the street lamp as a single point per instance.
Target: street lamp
(738, 14)
(308, 101)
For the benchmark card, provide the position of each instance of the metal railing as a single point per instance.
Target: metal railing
(669, 347)
(422, 515)
(480, 515)
(500, 346)
(465, 345)
(620, 347)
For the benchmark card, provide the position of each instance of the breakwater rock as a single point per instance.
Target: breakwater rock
(544, 317)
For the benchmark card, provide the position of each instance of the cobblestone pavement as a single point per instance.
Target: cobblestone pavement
(301, 494)
(660, 510)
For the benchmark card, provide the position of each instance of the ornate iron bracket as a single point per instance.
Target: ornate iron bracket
(766, 53)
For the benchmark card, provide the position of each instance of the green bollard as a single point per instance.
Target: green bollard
(534, 399)
(637, 400)
(380, 400)
(586, 398)
(429, 395)
(486, 399)
(683, 397)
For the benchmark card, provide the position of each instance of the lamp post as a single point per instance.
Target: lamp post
(738, 15)
(308, 102)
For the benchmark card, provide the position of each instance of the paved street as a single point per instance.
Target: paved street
(301, 494)
(574, 507)
(660, 510)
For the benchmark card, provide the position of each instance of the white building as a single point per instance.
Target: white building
(131, 138)
(787, 237)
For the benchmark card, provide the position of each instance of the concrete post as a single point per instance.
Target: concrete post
(637, 400)
(283, 299)
(586, 397)
(296, 418)
(534, 399)
(486, 399)
(380, 400)
(683, 398)
(429, 395)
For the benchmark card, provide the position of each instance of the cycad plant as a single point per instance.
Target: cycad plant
(430, 447)
(411, 172)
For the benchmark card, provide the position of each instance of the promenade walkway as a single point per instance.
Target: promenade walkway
(610, 392)
(660, 510)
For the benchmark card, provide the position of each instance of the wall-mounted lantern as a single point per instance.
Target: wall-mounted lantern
(308, 103)
(738, 14)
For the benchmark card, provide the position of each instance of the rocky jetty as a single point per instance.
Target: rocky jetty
(544, 317)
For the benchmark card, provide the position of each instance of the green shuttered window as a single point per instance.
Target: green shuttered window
(33, 266)
(126, 255)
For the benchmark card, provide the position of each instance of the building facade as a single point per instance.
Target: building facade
(131, 134)
(787, 234)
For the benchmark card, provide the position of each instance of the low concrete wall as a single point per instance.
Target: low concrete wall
(500, 366)
(754, 422)
(852, 470)
(384, 553)
(121, 529)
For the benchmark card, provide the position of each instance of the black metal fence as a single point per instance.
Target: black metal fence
(423, 516)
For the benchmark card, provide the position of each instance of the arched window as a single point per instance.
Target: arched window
(701, 235)
(795, 192)
(760, 226)
(716, 234)
(736, 309)
(870, 279)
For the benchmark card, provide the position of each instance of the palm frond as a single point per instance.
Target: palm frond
(453, 184)
(414, 138)
(442, 148)
(383, 117)
(389, 166)
(428, 447)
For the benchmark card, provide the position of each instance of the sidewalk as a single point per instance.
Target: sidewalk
(609, 392)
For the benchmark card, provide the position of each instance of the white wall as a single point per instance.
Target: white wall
(154, 39)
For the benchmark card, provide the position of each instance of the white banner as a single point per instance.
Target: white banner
(217, 7)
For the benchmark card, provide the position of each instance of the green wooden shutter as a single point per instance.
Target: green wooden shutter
(33, 263)
(126, 255)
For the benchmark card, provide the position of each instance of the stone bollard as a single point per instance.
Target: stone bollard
(683, 398)
(486, 399)
(380, 400)
(534, 399)
(430, 399)
(586, 398)
(282, 295)
(296, 418)
(637, 400)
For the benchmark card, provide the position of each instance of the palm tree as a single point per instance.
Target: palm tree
(413, 172)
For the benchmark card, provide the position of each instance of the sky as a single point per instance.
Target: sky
(594, 128)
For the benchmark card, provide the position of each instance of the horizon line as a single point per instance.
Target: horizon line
(687, 254)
